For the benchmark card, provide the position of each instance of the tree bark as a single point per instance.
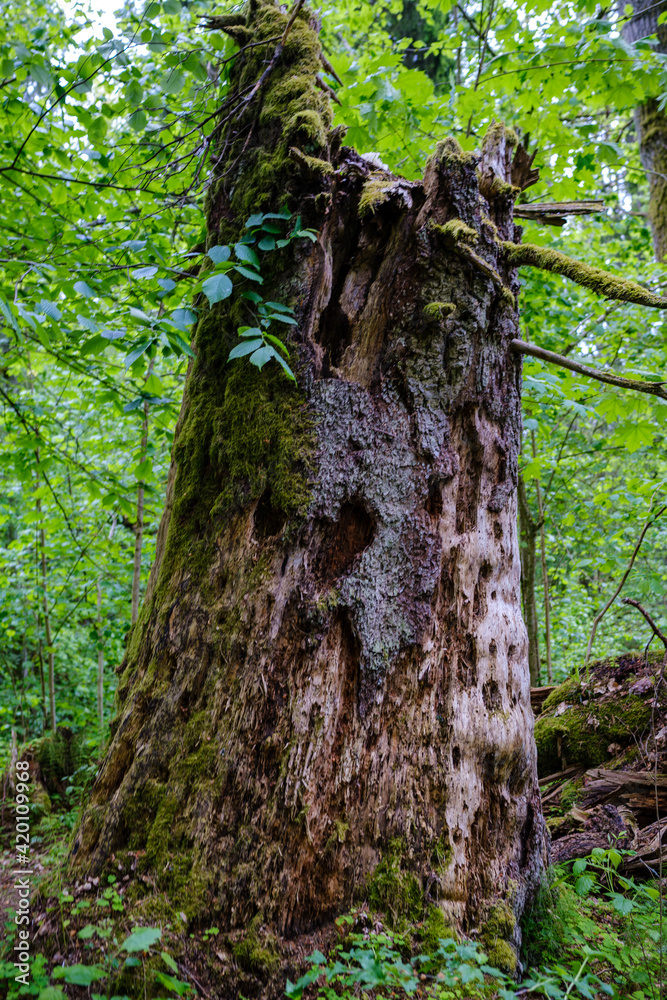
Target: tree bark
(651, 124)
(528, 551)
(139, 526)
(330, 665)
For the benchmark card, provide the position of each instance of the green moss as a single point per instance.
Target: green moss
(456, 231)
(450, 152)
(161, 831)
(569, 691)
(434, 929)
(581, 734)
(337, 835)
(374, 193)
(603, 283)
(257, 952)
(571, 794)
(393, 890)
(439, 310)
(496, 132)
(290, 104)
(496, 933)
(312, 163)
(502, 955)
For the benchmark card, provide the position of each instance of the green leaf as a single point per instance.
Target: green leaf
(87, 932)
(579, 866)
(40, 74)
(97, 129)
(8, 314)
(134, 92)
(49, 309)
(138, 120)
(144, 272)
(175, 985)
(79, 975)
(219, 254)
(244, 252)
(279, 307)
(268, 243)
(137, 351)
(141, 316)
(181, 345)
(261, 356)
(249, 274)
(246, 348)
(173, 81)
(141, 939)
(168, 961)
(217, 288)
(583, 885)
(83, 288)
(622, 904)
(282, 318)
(183, 318)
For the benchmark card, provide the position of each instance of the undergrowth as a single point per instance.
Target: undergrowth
(590, 933)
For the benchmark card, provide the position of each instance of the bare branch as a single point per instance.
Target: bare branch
(652, 388)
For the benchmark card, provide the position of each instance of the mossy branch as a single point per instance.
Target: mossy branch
(653, 388)
(604, 283)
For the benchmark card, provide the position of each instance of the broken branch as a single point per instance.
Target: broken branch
(603, 283)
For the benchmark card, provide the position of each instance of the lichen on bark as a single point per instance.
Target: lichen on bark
(331, 659)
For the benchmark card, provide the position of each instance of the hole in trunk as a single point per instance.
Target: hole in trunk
(345, 539)
(434, 500)
(269, 520)
(491, 696)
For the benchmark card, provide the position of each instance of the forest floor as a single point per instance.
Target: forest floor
(602, 760)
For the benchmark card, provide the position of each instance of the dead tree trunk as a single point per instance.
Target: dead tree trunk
(330, 664)
(528, 530)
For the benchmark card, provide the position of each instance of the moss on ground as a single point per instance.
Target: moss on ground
(257, 951)
(496, 933)
(582, 733)
(434, 929)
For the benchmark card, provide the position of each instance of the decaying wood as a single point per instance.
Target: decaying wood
(330, 667)
(538, 696)
(556, 213)
(635, 789)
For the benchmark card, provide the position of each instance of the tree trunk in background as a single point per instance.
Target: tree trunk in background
(651, 124)
(100, 659)
(330, 665)
(528, 549)
(139, 526)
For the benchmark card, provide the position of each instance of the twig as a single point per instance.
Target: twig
(602, 613)
(656, 631)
